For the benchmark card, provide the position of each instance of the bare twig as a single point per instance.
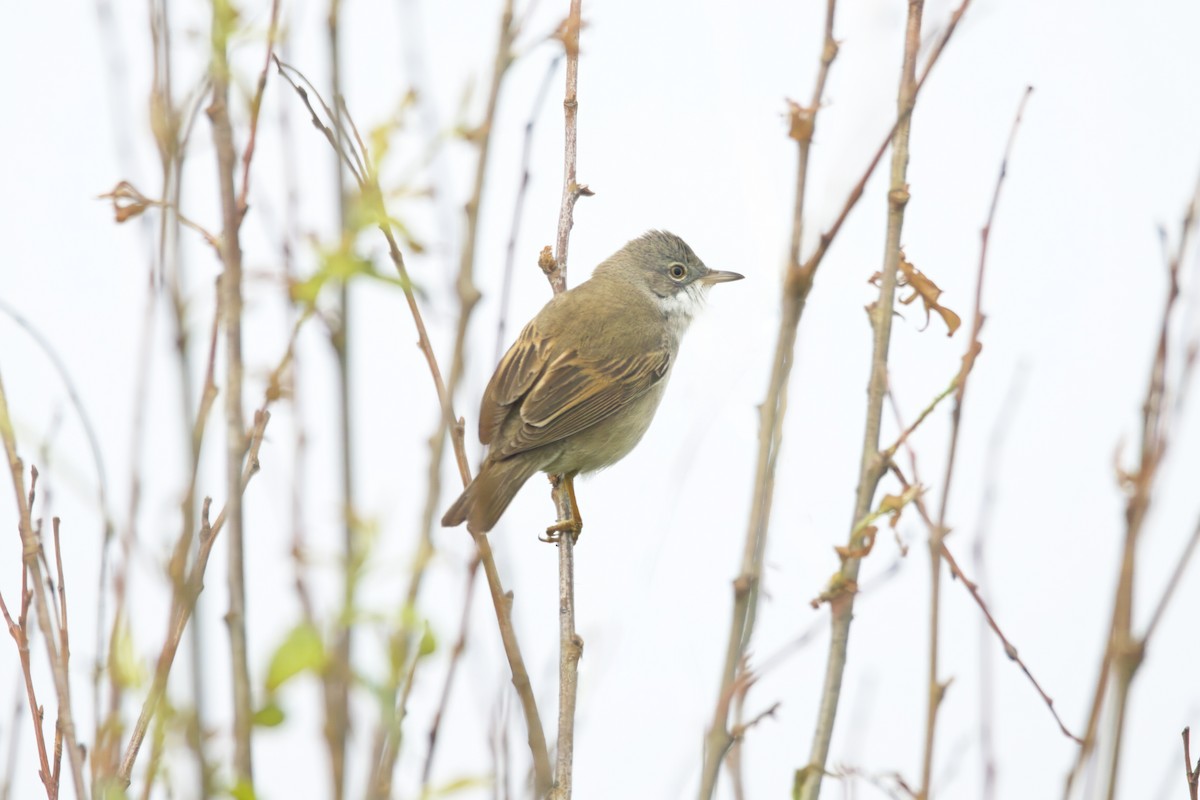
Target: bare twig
(987, 699)
(468, 296)
(188, 581)
(510, 256)
(568, 33)
(938, 531)
(30, 550)
(1181, 565)
(184, 600)
(1124, 650)
(336, 677)
(872, 466)
(570, 645)
(796, 286)
(235, 445)
(1193, 773)
(460, 646)
(501, 600)
(260, 89)
(19, 632)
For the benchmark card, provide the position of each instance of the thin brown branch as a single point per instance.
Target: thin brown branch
(568, 33)
(336, 678)
(1124, 650)
(20, 637)
(183, 601)
(872, 466)
(468, 295)
(188, 582)
(31, 550)
(797, 284)
(1192, 773)
(235, 444)
(460, 646)
(510, 256)
(1181, 565)
(938, 531)
(570, 645)
(987, 698)
(501, 600)
(260, 89)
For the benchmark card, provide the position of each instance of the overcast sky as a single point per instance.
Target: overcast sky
(681, 127)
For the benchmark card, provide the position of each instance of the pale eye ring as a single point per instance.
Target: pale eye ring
(677, 271)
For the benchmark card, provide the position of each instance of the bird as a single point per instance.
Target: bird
(580, 386)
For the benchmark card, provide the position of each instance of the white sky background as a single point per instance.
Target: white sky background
(680, 127)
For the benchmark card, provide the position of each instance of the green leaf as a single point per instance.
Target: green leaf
(301, 651)
(128, 670)
(428, 642)
(269, 716)
(454, 786)
(243, 790)
(110, 789)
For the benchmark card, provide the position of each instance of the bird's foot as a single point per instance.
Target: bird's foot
(554, 532)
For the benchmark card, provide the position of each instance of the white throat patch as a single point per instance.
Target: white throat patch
(680, 307)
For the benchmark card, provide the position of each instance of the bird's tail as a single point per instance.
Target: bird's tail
(485, 499)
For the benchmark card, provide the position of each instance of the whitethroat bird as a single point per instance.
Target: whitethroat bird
(581, 384)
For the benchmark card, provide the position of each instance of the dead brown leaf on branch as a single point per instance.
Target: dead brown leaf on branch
(924, 288)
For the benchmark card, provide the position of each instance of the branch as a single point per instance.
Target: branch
(937, 532)
(872, 466)
(1192, 773)
(510, 255)
(30, 549)
(570, 645)
(468, 295)
(796, 286)
(568, 34)
(183, 600)
(1124, 650)
(501, 600)
(235, 445)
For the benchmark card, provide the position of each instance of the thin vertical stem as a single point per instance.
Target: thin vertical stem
(337, 679)
(872, 466)
(570, 646)
(797, 284)
(235, 442)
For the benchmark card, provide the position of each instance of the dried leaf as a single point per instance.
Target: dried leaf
(863, 550)
(127, 201)
(893, 504)
(801, 120)
(929, 293)
(546, 260)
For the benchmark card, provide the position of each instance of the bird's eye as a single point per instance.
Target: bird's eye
(677, 271)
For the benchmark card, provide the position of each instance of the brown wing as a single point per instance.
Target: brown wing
(560, 394)
(521, 366)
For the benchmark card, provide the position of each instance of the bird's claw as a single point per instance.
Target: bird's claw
(554, 532)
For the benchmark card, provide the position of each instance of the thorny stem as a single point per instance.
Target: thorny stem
(797, 285)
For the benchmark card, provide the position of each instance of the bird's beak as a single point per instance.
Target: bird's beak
(720, 276)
